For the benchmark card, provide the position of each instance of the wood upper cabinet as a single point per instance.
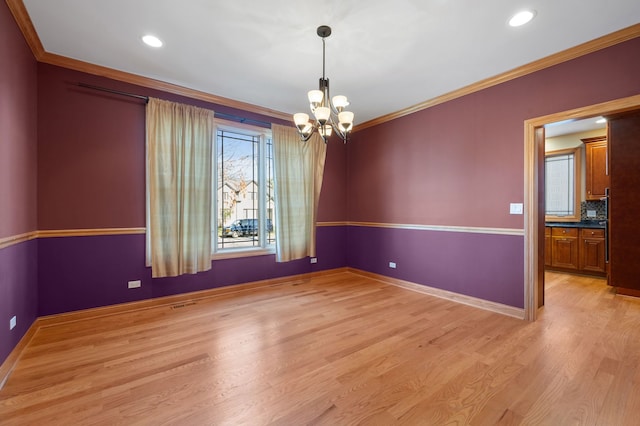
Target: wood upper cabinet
(597, 167)
(564, 250)
(592, 248)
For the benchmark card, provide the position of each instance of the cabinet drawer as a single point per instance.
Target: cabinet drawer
(564, 232)
(591, 233)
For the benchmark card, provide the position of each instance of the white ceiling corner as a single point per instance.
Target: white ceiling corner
(385, 56)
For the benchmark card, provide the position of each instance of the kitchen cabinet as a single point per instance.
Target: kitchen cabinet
(564, 248)
(592, 250)
(575, 249)
(597, 167)
(547, 246)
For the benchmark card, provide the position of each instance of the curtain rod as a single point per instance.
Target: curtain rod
(222, 115)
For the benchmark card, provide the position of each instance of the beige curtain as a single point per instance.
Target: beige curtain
(298, 170)
(179, 144)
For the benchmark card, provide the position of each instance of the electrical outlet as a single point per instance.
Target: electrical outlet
(135, 284)
(13, 322)
(591, 213)
(392, 265)
(314, 260)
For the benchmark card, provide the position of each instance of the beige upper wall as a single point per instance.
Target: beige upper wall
(571, 141)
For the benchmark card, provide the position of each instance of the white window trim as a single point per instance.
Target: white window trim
(264, 134)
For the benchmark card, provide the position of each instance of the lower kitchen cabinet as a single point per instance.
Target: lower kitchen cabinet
(571, 249)
(547, 246)
(592, 250)
(564, 248)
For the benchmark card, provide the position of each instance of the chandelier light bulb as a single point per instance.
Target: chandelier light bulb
(315, 97)
(325, 131)
(301, 119)
(322, 114)
(345, 117)
(340, 102)
(345, 121)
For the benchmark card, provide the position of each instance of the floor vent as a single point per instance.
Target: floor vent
(182, 305)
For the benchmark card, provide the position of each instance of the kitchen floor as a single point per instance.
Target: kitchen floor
(553, 278)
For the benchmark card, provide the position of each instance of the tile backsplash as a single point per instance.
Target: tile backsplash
(599, 206)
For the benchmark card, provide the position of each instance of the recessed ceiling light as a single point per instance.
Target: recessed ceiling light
(152, 41)
(522, 18)
(601, 120)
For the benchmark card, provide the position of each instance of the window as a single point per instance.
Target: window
(562, 185)
(244, 204)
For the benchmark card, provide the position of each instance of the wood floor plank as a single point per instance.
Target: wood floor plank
(336, 349)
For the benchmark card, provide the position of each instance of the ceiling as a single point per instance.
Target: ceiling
(385, 56)
(568, 127)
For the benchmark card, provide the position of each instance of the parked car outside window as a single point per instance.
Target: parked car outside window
(244, 227)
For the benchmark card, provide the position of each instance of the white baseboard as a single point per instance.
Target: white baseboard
(444, 294)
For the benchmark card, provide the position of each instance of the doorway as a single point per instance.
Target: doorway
(534, 211)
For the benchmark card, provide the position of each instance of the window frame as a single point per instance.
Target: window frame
(577, 183)
(263, 248)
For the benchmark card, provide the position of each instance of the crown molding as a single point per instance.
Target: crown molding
(20, 14)
(31, 36)
(549, 61)
(28, 30)
(88, 68)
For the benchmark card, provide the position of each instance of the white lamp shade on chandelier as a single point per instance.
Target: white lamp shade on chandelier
(329, 113)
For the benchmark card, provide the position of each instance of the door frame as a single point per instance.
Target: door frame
(533, 209)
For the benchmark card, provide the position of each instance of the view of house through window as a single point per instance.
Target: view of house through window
(560, 184)
(244, 204)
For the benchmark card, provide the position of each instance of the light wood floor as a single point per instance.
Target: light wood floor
(336, 350)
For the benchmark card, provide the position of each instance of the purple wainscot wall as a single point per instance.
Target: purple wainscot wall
(18, 292)
(86, 272)
(477, 265)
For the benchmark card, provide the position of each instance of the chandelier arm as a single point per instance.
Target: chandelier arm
(339, 131)
(314, 128)
(304, 137)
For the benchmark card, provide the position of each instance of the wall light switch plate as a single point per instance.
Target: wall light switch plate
(515, 208)
(13, 322)
(591, 213)
(135, 284)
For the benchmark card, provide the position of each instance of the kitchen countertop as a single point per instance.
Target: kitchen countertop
(593, 224)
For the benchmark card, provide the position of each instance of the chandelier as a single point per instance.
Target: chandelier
(330, 115)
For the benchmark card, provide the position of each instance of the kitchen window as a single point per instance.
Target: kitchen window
(562, 185)
(244, 203)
